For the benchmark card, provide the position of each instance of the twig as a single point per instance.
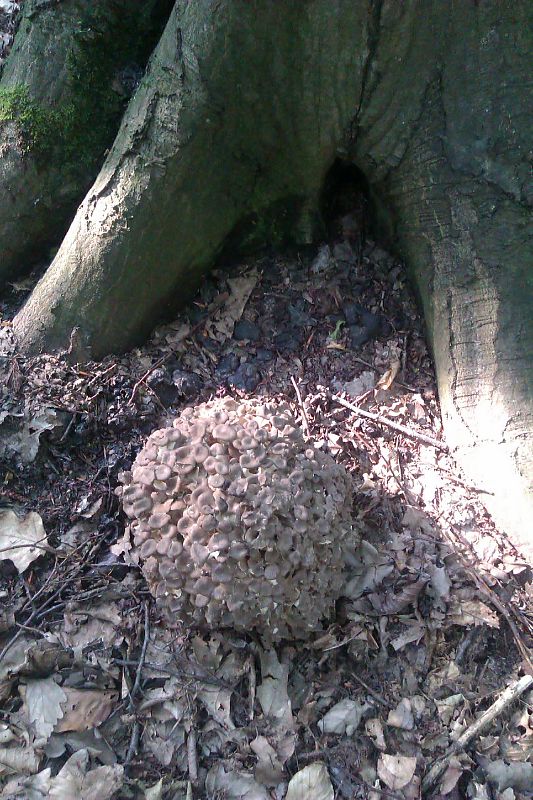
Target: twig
(421, 437)
(136, 730)
(493, 598)
(40, 611)
(371, 691)
(192, 761)
(252, 683)
(142, 657)
(98, 377)
(69, 426)
(505, 699)
(195, 328)
(134, 743)
(147, 374)
(305, 419)
(175, 673)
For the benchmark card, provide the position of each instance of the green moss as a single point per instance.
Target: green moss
(76, 133)
(110, 36)
(40, 128)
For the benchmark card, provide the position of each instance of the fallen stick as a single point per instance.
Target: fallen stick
(421, 437)
(505, 699)
(305, 420)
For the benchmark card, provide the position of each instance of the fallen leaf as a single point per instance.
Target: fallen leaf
(402, 716)
(310, 783)
(84, 709)
(440, 582)
(510, 776)
(42, 704)
(272, 692)
(76, 782)
(368, 568)
(18, 760)
(12, 663)
(218, 704)
(396, 771)
(21, 539)
(233, 785)
(446, 706)
(359, 385)
(387, 379)
(453, 772)
(414, 633)
(374, 729)
(22, 436)
(32, 787)
(472, 612)
(220, 327)
(323, 260)
(344, 718)
(92, 622)
(273, 697)
(269, 769)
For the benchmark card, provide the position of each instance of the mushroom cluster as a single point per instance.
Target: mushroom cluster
(237, 521)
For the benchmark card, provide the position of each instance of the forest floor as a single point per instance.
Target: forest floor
(99, 699)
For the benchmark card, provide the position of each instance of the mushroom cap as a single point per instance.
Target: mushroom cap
(237, 521)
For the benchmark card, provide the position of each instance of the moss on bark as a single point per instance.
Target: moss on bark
(62, 95)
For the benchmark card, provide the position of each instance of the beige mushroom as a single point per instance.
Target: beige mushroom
(236, 520)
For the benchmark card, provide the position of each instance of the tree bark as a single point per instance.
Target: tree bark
(237, 115)
(454, 191)
(243, 110)
(61, 101)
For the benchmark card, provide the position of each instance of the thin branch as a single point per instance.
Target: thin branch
(410, 432)
(305, 418)
(498, 707)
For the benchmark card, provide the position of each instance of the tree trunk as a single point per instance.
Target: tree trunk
(454, 190)
(204, 144)
(62, 94)
(243, 110)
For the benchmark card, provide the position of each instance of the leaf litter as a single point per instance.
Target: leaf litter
(400, 696)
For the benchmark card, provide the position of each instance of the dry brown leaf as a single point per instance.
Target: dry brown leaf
(85, 709)
(396, 771)
(471, 612)
(454, 770)
(402, 716)
(220, 326)
(344, 718)
(18, 760)
(98, 622)
(233, 785)
(269, 769)
(21, 539)
(28, 787)
(76, 782)
(272, 692)
(515, 776)
(42, 704)
(387, 379)
(217, 702)
(12, 663)
(311, 782)
(374, 729)
(414, 632)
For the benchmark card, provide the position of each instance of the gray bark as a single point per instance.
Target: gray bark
(52, 147)
(242, 112)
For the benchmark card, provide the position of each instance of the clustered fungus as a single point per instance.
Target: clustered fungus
(237, 521)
